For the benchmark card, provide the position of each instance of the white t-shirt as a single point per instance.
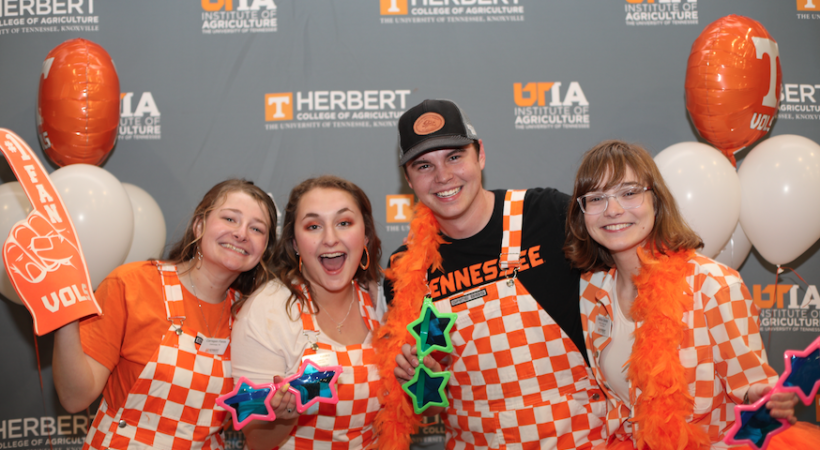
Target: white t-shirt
(614, 356)
(266, 341)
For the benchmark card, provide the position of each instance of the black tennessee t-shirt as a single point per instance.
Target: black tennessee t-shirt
(544, 271)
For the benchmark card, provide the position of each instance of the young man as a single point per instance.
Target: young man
(518, 369)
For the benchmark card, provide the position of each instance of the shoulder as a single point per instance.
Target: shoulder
(134, 271)
(271, 298)
(546, 197)
(708, 267)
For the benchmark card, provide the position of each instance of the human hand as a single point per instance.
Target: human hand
(283, 401)
(780, 404)
(407, 361)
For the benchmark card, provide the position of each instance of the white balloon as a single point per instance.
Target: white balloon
(736, 250)
(706, 188)
(102, 216)
(149, 226)
(14, 207)
(780, 181)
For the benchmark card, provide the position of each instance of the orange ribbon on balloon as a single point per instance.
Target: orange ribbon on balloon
(733, 82)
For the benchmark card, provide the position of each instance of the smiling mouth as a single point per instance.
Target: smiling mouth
(618, 226)
(333, 261)
(236, 249)
(448, 194)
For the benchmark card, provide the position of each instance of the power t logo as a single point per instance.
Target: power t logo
(393, 7)
(335, 109)
(783, 308)
(279, 106)
(139, 117)
(662, 12)
(540, 105)
(808, 5)
(223, 17)
(399, 208)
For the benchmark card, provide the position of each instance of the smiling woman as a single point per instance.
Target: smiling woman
(657, 316)
(321, 310)
(176, 314)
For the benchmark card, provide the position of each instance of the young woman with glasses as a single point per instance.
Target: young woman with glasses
(672, 336)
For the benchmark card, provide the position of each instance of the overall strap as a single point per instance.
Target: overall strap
(172, 293)
(511, 235)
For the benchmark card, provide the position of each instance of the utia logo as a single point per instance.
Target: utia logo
(139, 117)
(662, 12)
(543, 105)
(225, 17)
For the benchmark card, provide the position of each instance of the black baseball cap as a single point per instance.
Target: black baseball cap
(432, 125)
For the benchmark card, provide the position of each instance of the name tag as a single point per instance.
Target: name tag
(468, 297)
(603, 325)
(213, 346)
(323, 358)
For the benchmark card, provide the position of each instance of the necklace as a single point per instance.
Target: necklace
(221, 313)
(349, 308)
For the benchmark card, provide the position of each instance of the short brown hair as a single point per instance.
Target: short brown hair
(612, 159)
(186, 248)
(287, 261)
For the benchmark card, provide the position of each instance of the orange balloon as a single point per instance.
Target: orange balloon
(733, 83)
(78, 104)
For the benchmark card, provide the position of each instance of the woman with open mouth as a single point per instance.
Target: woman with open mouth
(324, 307)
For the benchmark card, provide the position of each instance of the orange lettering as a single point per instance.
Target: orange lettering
(209, 5)
(462, 279)
(490, 269)
(447, 284)
(434, 287)
(475, 274)
(523, 261)
(535, 256)
(775, 293)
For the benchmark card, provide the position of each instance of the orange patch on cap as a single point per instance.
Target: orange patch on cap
(427, 123)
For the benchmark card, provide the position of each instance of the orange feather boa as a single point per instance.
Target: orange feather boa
(655, 368)
(396, 421)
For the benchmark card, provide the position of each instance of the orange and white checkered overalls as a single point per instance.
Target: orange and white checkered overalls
(518, 381)
(172, 405)
(349, 423)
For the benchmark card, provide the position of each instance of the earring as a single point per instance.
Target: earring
(199, 258)
(365, 266)
(300, 264)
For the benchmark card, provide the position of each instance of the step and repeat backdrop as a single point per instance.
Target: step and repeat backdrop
(276, 91)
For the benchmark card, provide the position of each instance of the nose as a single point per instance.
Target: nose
(329, 237)
(240, 233)
(613, 207)
(443, 174)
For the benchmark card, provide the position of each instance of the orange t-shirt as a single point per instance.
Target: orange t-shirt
(128, 333)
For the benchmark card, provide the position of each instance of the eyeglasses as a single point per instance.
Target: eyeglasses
(597, 202)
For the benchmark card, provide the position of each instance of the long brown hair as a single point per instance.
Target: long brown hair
(287, 261)
(612, 159)
(186, 248)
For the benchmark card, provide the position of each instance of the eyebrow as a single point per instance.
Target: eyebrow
(341, 211)
(420, 159)
(252, 219)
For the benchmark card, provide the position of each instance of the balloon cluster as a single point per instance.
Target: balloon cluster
(77, 123)
(732, 94)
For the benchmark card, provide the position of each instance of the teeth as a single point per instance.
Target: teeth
(331, 255)
(449, 193)
(617, 227)
(236, 249)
